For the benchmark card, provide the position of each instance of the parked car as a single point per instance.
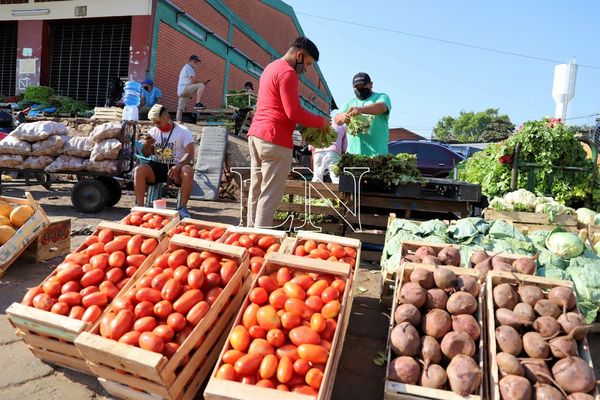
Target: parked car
(463, 150)
(433, 159)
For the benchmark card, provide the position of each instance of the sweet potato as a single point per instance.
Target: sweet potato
(464, 375)
(580, 396)
(467, 324)
(543, 391)
(404, 370)
(546, 326)
(570, 321)
(430, 350)
(505, 296)
(412, 293)
(423, 277)
(479, 256)
(484, 266)
(515, 387)
(455, 343)
(449, 256)
(436, 298)
(436, 323)
(508, 364)
(525, 311)
(461, 303)
(510, 318)
(431, 260)
(444, 278)
(407, 313)
(536, 370)
(525, 265)
(530, 294)
(573, 375)
(433, 376)
(423, 251)
(548, 308)
(509, 340)
(535, 346)
(563, 297)
(404, 340)
(467, 283)
(563, 346)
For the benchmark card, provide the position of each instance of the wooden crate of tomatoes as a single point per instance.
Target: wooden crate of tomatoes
(206, 230)
(73, 297)
(285, 343)
(259, 242)
(160, 219)
(161, 337)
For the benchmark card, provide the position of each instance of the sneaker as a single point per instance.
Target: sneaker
(199, 106)
(184, 213)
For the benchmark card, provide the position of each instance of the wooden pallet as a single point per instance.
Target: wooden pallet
(495, 278)
(221, 389)
(144, 373)
(51, 337)
(25, 235)
(400, 391)
(54, 241)
(173, 214)
(108, 113)
(530, 221)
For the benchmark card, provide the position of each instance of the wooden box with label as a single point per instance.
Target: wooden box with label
(54, 241)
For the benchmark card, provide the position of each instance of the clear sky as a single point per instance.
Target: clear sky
(429, 79)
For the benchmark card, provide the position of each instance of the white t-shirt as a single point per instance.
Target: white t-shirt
(185, 78)
(171, 152)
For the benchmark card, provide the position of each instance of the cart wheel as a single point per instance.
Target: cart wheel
(43, 179)
(89, 195)
(114, 190)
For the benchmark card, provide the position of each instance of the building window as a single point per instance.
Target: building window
(8, 54)
(14, 1)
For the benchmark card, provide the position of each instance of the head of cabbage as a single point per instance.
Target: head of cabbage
(564, 244)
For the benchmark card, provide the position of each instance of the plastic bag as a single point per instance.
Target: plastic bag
(108, 130)
(34, 162)
(52, 146)
(12, 145)
(39, 130)
(67, 163)
(10, 161)
(78, 146)
(106, 166)
(106, 150)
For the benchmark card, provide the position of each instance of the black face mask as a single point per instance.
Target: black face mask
(363, 93)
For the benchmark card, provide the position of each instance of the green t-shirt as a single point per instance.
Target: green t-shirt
(376, 140)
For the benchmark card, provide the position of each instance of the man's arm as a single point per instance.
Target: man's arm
(288, 89)
(372, 109)
(148, 148)
(188, 157)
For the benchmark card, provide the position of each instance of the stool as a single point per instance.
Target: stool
(155, 192)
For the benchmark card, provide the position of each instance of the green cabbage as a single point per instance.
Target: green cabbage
(564, 244)
(584, 215)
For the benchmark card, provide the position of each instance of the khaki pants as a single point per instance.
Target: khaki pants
(270, 168)
(197, 88)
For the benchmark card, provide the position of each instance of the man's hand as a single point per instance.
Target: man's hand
(342, 118)
(353, 111)
(147, 140)
(174, 171)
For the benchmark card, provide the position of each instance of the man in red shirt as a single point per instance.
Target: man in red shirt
(278, 110)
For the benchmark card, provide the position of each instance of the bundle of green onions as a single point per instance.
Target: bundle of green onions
(319, 138)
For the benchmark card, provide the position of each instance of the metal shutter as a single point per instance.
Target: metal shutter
(8, 58)
(85, 54)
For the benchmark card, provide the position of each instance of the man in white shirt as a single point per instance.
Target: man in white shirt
(188, 85)
(170, 147)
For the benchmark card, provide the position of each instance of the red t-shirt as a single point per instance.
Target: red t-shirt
(278, 108)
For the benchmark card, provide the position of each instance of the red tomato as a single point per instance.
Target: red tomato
(315, 303)
(285, 369)
(92, 313)
(121, 324)
(283, 275)
(261, 346)
(144, 309)
(256, 252)
(70, 298)
(149, 245)
(165, 332)
(134, 245)
(96, 298)
(211, 265)
(276, 337)
(163, 309)
(60, 308)
(288, 350)
(195, 278)
(130, 271)
(331, 309)
(131, 338)
(340, 285)
(162, 261)
(245, 241)
(90, 240)
(188, 300)
(304, 335)
(105, 236)
(70, 273)
(92, 278)
(293, 290)
(313, 353)
(52, 287)
(256, 332)
(318, 323)
(151, 342)
(31, 293)
(193, 260)
(268, 366)
(94, 249)
(267, 317)
(118, 244)
(317, 288)
(211, 280)
(71, 286)
(231, 356)
(314, 377)
(177, 258)
(216, 233)
(213, 294)
(121, 303)
(117, 259)
(228, 269)
(197, 312)
(78, 258)
(148, 294)
(122, 283)
(277, 299)
(145, 324)
(290, 320)
(258, 296)
(158, 282)
(300, 251)
(330, 326)
(226, 372)
(330, 294)
(181, 274)
(115, 275)
(170, 349)
(90, 289)
(239, 338)
(248, 364)
(77, 312)
(268, 284)
(301, 367)
(298, 307)
(266, 241)
(171, 290)
(176, 321)
(100, 261)
(249, 315)
(304, 281)
(135, 260)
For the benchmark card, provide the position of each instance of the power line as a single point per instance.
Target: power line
(472, 46)
(583, 116)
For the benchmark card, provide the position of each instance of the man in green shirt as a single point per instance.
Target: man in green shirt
(375, 105)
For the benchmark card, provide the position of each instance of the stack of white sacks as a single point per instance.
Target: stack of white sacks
(45, 145)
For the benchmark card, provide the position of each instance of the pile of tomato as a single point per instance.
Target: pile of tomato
(285, 336)
(83, 285)
(326, 251)
(146, 220)
(196, 231)
(169, 300)
(257, 245)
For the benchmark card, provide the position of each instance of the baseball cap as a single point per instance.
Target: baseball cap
(155, 112)
(194, 58)
(362, 78)
(148, 82)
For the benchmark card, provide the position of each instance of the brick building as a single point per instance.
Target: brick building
(76, 46)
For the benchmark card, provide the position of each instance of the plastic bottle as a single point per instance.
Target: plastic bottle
(131, 99)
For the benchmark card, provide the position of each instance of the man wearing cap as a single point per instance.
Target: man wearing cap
(378, 105)
(150, 95)
(188, 85)
(249, 87)
(278, 110)
(170, 148)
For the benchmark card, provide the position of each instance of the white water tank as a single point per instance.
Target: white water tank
(563, 89)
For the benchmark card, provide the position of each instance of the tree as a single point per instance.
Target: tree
(470, 127)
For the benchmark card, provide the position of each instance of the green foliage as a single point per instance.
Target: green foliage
(241, 100)
(38, 94)
(68, 105)
(318, 138)
(389, 169)
(547, 144)
(359, 124)
(470, 127)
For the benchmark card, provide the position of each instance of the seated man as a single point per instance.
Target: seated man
(149, 96)
(170, 147)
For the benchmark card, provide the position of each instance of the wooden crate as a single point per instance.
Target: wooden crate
(388, 276)
(218, 389)
(108, 113)
(51, 337)
(173, 214)
(26, 234)
(132, 372)
(495, 278)
(400, 391)
(54, 241)
(530, 221)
